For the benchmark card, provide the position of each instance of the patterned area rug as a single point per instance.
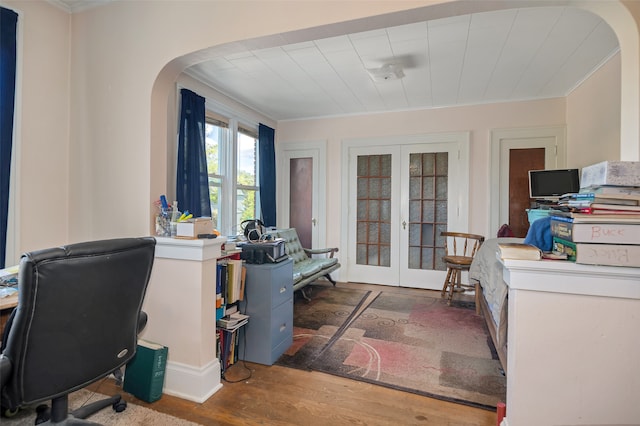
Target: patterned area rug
(415, 344)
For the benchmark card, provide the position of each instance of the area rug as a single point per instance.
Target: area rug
(317, 321)
(134, 415)
(417, 344)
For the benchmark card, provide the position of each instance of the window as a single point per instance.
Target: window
(217, 139)
(232, 164)
(247, 176)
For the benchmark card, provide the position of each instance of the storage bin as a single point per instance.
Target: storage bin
(535, 214)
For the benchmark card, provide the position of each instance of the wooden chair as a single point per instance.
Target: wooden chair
(459, 249)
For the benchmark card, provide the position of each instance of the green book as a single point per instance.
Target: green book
(144, 375)
(561, 246)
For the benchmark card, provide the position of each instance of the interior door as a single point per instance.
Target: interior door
(429, 206)
(520, 162)
(374, 195)
(551, 139)
(400, 198)
(301, 199)
(301, 175)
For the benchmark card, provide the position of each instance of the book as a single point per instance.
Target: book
(597, 208)
(519, 251)
(608, 254)
(234, 279)
(233, 321)
(612, 189)
(589, 198)
(563, 247)
(595, 232)
(576, 217)
(144, 374)
(228, 344)
(555, 256)
(219, 298)
(9, 275)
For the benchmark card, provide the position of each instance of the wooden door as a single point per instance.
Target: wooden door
(520, 162)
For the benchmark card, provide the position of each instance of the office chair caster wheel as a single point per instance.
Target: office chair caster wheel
(7, 412)
(119, 406)
(43, 414)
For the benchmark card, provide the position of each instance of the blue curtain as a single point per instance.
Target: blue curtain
(8, 25)
(192, 187)
(267, 156)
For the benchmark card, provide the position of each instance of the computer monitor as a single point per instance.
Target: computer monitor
(551, 184)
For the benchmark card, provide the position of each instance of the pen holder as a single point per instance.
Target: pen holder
(163, 225)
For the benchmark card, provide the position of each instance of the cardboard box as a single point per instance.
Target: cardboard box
(625, 173)
(194, 227)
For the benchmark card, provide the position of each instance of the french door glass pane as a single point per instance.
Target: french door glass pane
(428, 188)
(373, 213)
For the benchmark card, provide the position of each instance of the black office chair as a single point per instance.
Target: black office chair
(77, 321)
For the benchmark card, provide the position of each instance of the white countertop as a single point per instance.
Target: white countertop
(189, 249)
(561, 276)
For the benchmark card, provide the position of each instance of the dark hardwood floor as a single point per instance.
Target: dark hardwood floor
(272, 395)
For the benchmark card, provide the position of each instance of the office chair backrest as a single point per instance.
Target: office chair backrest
(77, 316)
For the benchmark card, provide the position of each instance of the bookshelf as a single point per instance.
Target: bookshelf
(230, 289)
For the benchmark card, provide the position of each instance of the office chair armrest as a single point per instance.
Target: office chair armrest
(5, 370)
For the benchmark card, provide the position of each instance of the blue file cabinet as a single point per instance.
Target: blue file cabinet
(269, 303)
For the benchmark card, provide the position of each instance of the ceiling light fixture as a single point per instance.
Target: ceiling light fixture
(386, 72)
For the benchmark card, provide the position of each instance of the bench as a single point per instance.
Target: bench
(306, 268)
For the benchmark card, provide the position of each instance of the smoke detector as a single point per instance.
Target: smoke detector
(386, 72)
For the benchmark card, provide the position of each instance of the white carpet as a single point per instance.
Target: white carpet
(134, 415)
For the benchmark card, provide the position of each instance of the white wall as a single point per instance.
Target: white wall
(593, 117)
(479, 120)
(41, 126)
(98, 98)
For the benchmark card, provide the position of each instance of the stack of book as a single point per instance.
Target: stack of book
(230, 280)
(599, 226)
(228, 333)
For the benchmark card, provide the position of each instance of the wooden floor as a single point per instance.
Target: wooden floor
(272, 395)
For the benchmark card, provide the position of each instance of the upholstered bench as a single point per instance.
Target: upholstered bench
(306, 268)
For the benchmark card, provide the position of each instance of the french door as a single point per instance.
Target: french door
(400, 197)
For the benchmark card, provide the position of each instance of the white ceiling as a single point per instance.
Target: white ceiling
(509, 55)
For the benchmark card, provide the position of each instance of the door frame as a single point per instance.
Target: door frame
(317, 150)
(460, 203)
(503, 140)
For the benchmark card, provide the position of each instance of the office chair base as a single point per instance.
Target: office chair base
(58, 415)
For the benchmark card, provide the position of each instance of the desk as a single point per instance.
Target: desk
(6, 306)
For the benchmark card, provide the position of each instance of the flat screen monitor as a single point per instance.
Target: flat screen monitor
(553, 183)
